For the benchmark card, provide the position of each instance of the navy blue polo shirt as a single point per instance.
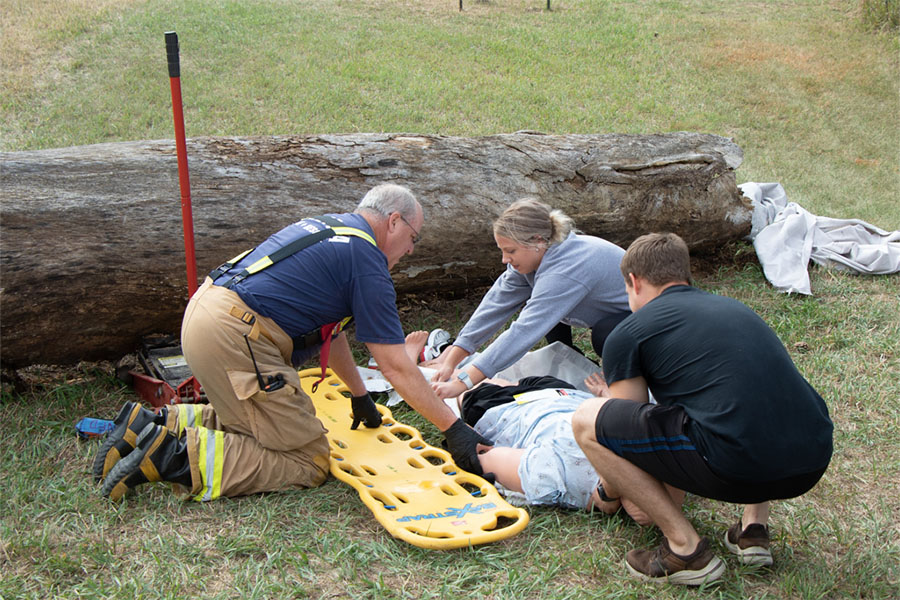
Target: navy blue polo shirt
(324, 283)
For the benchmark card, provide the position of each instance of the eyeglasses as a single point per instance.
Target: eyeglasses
(416, 236)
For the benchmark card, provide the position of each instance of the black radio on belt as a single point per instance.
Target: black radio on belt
(275, 382)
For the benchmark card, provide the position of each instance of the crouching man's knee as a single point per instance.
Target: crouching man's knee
(584, 421)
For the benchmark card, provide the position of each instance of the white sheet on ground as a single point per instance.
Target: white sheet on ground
(786, 237)
(556, 359)
(376, 382)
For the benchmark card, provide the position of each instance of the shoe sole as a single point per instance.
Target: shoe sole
(429, 352)
(711, 572)
(754, 556)
(127, 414)
(113, 486)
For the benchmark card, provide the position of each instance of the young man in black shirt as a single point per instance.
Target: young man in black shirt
(733, 420)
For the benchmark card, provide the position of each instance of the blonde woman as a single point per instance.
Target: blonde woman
(555, 277)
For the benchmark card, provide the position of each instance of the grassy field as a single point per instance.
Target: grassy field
(61, 539)
(811, 96)
(802, 87)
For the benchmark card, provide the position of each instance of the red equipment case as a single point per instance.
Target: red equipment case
(167, 378)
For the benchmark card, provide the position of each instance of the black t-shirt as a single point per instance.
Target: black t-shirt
(752, 414)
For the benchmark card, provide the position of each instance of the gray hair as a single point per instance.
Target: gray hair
(528, 219)
(388, 198)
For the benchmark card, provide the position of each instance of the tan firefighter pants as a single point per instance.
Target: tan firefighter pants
(246, 440)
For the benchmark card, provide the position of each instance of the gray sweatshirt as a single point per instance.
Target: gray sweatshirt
(578, 283)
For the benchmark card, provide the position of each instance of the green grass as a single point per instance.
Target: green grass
(806, 88)
(881, 15)
(61, 539)
(808, 92)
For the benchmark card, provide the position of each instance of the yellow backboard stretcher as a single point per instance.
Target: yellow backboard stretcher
(414, 490)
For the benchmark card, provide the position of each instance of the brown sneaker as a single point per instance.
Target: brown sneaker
(661, 564)
(751, 544)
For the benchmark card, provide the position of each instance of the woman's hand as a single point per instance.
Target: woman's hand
(448, 389)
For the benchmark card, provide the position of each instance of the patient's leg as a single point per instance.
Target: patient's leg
(415, 342)
(503, 462)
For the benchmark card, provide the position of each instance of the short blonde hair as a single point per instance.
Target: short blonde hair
(530, 222)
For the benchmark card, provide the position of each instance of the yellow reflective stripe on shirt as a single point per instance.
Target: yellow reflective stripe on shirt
(259, 265)
(238, 258)
(211, 459)
(266, 261)
(355, 232)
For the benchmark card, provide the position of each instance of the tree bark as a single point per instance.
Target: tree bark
(92, 249)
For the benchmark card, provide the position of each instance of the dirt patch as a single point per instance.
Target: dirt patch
(768, 55)
(733, 255)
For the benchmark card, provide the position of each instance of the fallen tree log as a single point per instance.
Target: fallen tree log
(92, 250)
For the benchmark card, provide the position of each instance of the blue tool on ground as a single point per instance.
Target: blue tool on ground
(89, 427)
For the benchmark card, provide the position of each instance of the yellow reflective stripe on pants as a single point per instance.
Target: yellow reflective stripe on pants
(211, 453)
(188, 415)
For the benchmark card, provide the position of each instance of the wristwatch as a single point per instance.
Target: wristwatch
(464, 377)
(602, 493)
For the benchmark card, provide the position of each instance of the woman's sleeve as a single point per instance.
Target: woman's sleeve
(509, 292)
(552, 300)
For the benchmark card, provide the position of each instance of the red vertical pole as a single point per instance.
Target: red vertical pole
(184, 181)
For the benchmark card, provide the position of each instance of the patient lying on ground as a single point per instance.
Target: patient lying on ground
(534, 451)
(535, 454)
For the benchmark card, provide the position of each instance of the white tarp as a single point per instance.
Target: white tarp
(556, 359)
(786, 237)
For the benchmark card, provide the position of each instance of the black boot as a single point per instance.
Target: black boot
(122, 439)
(158, 456)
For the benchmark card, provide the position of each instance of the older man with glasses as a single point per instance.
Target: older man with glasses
(246, 329)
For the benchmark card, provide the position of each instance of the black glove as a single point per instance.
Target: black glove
(364, 410)
(461, 442)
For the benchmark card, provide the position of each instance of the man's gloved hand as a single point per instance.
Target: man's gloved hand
(461, 442)
(364, 409)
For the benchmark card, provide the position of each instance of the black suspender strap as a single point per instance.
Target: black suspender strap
(326, 333)
(282, 253)
(334, 227)
(228, 265)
